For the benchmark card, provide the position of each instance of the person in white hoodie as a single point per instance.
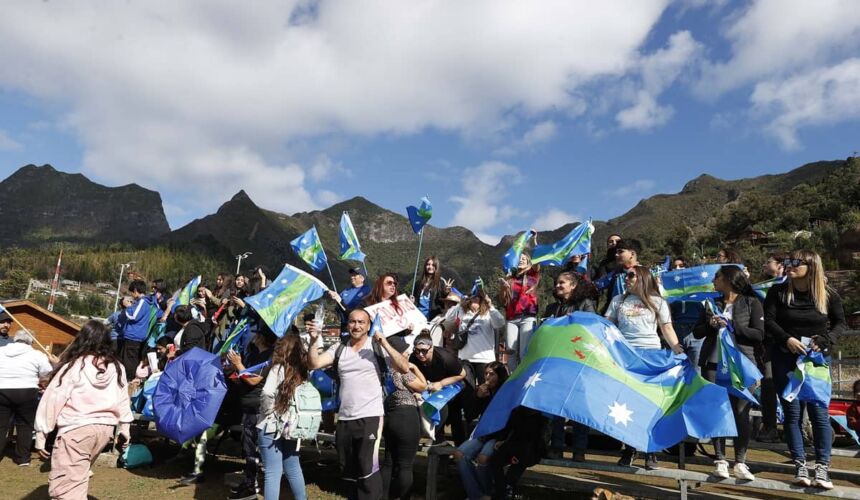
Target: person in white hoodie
(21, 367)
(85, 400)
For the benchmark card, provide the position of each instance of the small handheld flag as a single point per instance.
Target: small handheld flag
(434, 402)
(183, 296)
(762, 287)
(419, 216)
(512, 257)
(577, 242)
(477, 285)
(735, 371)
(810, 381)
(309, 247)
(376, 326)
(349, 246)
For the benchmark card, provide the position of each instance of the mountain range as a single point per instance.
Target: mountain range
(42, 204)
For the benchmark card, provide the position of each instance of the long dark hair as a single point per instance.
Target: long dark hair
(500, 369)
(92, 340)
(375, 296)
(736, 279)
(431, 282)
(583, 289)
(227, 283)
(291, 356)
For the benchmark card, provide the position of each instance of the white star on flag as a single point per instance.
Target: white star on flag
(612, 335)
(284, 281)
(704, 274)
(304, 241)
(620, 413)
(724, 368)
(532, 381)
(269, 295)
(677, 279)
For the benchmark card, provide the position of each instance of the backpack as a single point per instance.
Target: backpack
(135, 455)
(385, 379)
(304, 415)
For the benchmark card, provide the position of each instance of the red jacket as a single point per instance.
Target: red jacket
(523, 295)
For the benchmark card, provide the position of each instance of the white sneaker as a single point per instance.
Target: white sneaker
(721, 469)
(741, 471)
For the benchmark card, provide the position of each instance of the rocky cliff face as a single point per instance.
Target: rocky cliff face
(41, 204)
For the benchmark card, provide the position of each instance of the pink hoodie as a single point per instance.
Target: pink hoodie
(85, 397)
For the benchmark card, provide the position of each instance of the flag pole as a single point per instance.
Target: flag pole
(365, 268)
(331, 276)
(417, 260)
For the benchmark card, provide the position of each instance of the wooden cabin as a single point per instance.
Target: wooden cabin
(49, 328)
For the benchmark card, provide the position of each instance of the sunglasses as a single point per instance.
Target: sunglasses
(389, 282)
(422, 352)
(794, 263)
(630, 276)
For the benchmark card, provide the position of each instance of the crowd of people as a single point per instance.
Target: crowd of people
(473, 341)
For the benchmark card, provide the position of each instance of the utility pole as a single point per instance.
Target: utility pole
(56, 283)
(239, 259)
(122, 269)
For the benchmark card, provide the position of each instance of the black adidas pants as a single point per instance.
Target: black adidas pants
(358, 451)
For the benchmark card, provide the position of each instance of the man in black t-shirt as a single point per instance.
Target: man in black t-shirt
(441, 368)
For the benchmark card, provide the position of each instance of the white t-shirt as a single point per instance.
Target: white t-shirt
(360, 390)
(482, 336)
(636, 322)
(21, 366)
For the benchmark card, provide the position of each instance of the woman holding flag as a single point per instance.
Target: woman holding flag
(638, 313)
(803, 315)
(519, 295)
(742, 313)
(433, 289)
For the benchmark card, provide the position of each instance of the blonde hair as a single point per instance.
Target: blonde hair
(818, 290)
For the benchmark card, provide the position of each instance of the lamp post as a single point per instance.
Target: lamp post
(122, 269)
(239, 259)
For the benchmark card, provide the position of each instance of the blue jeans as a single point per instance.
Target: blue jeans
(281, 458)
(518, 333)
(580, 435)
(783, 364)
(477, 478)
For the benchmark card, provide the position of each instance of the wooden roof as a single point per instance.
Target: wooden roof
(17, 304)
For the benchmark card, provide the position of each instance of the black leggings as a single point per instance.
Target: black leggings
(465, 405)
(22, 404)
(741, 411)
(402, 431)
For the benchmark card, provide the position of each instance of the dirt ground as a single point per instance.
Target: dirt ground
(321, 474)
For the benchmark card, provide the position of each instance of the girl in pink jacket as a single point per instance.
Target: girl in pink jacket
(86, 398)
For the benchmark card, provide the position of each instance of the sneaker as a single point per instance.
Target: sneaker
(651, 461)
(579, 456)
(244, 486)
(191, 479)
(24, 464)
(554, 454)
(245, 492)
(801, 474)
(822, 477)
(721, 469)
(627, 457)
(741, 471)
(769, 435)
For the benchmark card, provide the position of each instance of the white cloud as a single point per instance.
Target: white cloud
(554, 219)
(773, 38)
(329, 198)
(539, 133)
(817, 97)
(482, 203)
(658, 71)
(208, 93)
(7, 143)
(639, 188)
(324, 168)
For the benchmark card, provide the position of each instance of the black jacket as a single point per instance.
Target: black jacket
(558, 309)
(801, 318)
(748, 334)
(196, 334)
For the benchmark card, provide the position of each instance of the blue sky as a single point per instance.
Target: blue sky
(508, 114)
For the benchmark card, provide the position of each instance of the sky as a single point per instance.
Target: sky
(507, 114)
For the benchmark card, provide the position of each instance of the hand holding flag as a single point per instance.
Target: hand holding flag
(512, 257)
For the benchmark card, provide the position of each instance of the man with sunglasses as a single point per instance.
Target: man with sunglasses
(439, 366)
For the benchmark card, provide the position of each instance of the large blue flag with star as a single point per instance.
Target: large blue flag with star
(285, 297)
(309, 247)
(420, 215)
(735, 371)
(577, 242)
(580, 367)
